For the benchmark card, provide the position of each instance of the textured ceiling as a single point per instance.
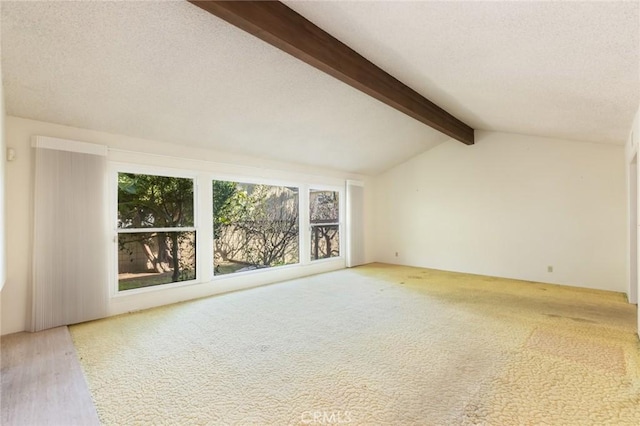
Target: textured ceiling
(169, 71)
(566, 69)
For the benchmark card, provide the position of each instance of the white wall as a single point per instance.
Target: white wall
(3, 149)
(509, 206)
(631, 161)
(633, 183)
(16, 297)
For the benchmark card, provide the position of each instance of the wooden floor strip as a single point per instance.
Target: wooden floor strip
(42, 381)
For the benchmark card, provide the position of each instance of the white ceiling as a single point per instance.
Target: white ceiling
(169, 71)
(566, 69)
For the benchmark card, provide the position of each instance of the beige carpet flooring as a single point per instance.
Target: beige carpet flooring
(377, 344)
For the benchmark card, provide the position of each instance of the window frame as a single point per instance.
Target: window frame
(115, 168)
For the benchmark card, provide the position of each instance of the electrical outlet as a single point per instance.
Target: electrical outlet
(549, 268)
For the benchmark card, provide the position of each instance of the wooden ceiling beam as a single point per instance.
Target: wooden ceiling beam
(287, 30)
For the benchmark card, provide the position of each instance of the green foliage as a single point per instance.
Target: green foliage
(225, 201)
(146, 201)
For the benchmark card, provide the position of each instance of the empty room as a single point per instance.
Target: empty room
(319, 212)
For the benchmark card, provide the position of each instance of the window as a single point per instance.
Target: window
(254, 226)
(324, 218)
(156, 230)
(250, 226)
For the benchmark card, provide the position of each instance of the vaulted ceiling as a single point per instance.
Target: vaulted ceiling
(169, 71)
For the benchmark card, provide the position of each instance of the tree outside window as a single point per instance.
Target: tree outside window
(255, 226)
(324, 216)
(156, 230)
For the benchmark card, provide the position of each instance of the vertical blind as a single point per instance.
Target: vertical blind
(70, 233)
(355, 224)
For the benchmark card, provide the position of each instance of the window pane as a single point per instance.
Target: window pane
(152, 258)
(146, 201)
(325, 241)
(324, 206)
(324, 212)
(254, 226)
